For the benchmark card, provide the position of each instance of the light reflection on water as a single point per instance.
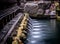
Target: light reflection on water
(44, 32)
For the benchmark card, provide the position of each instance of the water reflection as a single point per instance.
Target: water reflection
(58, 30)
(44, 32)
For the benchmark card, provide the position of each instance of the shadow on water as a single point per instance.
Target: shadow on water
(58, 31)
(48, 35)
(56, 25)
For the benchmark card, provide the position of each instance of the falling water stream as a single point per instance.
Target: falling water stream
(43, 32)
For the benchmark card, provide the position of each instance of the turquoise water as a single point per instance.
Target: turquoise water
(44, 32)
